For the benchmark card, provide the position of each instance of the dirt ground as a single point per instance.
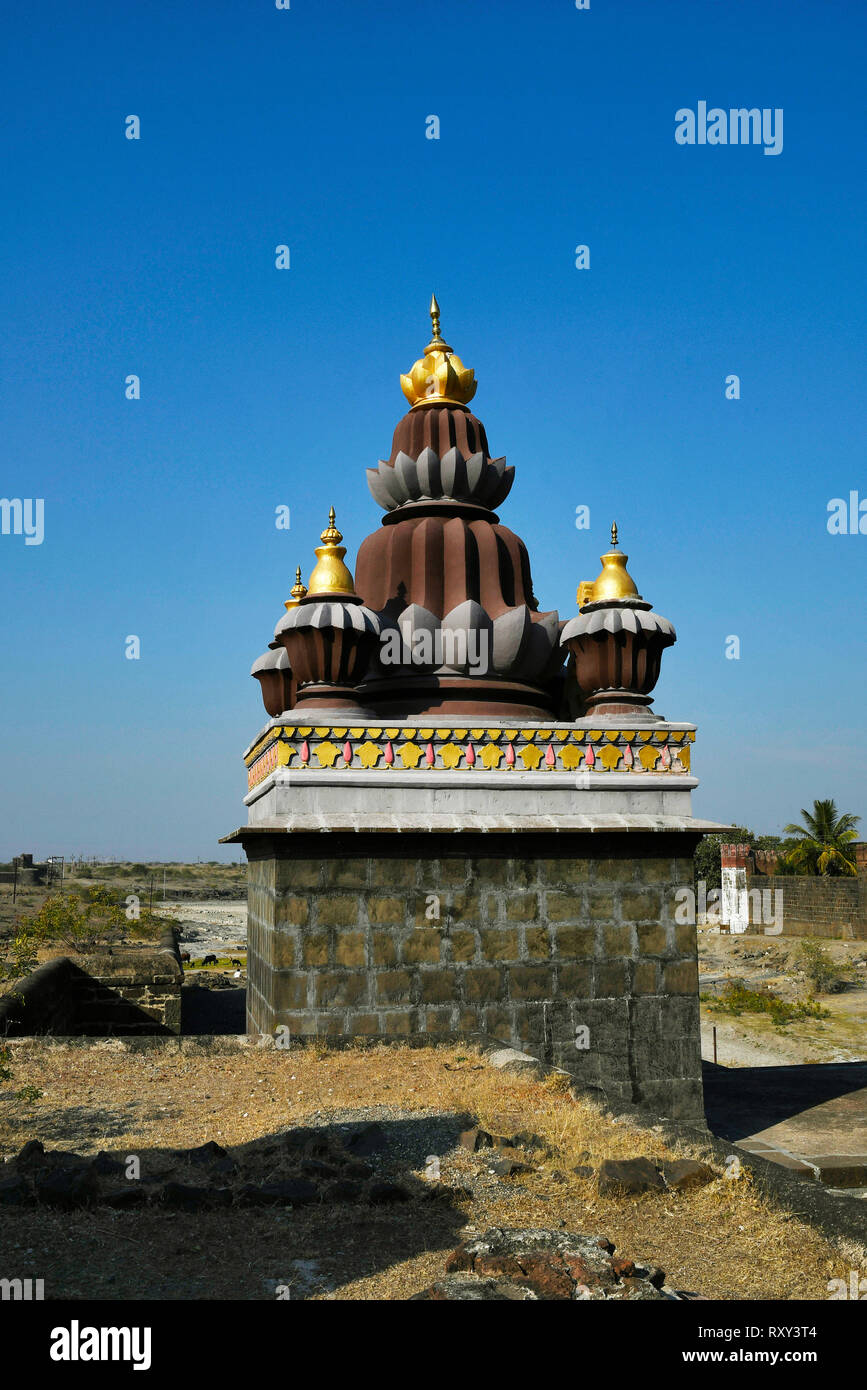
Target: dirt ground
(762, 962)
(723, 1240)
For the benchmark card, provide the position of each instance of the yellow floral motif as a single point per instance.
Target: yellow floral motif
(628, 735)
(571, 757)
(494, 734)
(691, 736)
(477, 733)
(532, 756)
(326, 753)
(663, 737)
(511, 734)
(304, 732)
(285, 751)
(609, 757)
(451, 755)
(648, 757)
(543, 734)
(645, 734)
(408, 733)
(369, 754)
(409, 754)
(677, 735)
(458, 733)
(683, 754)
(375, 733)
(491, 756)
(323, 733)
(561, 734)
(425, 733)
(528, 735)
(578, 736)
(356, 733)
(392, 733)
(612, 735)
(595, 735)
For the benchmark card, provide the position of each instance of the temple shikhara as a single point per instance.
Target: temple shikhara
(463, 814)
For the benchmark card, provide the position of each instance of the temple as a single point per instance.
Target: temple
(463, 814)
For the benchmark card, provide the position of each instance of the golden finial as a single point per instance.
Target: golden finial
(297, 592)
(439, 377)
(330, 575)
(436, 338)
(614, 582)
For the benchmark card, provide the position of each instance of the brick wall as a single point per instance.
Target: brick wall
(343, 942)
(812, 906)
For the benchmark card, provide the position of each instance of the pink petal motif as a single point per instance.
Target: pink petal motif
(590, 756)
(550, 758)
(347, 752)
(305, 752)
(510, 756)
(429, 755)
(389, 753)
(471, 755)
(665, 759)
(627, 756)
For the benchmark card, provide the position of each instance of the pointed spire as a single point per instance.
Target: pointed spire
(296, 593)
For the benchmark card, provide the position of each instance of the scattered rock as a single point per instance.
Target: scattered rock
(31, 1156)
(14, 1192)
(344, 1190)
(105, 1166)
(684, 1173)
(316, 1168)
(555, 1266)
(628, 1175)
(185, 1197)
(507, 1164)
(467, 1288)
(514, 1063)
(475, 1139)
(67, 1188)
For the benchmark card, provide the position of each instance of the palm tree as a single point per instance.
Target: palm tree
(823, 840)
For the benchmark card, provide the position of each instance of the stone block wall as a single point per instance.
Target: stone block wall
(824, 907)
(128, 992)
(537, 935)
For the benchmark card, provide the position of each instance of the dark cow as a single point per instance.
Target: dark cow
(209, 960)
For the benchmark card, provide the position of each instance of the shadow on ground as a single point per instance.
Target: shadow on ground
(743, 1101)
(306, 1209)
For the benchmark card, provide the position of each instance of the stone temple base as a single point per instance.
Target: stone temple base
(528, 936)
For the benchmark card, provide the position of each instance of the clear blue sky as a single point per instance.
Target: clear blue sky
(603, 387)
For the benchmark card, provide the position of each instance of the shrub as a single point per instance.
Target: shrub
(825, 975)
(737, 999)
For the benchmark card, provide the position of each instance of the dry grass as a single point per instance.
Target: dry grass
(724, 1240)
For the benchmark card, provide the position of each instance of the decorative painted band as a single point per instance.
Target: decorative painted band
(498, 750)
